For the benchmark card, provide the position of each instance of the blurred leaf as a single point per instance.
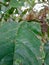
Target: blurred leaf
(31, 2)
(48, 31)
(15, 3)
(6, 0)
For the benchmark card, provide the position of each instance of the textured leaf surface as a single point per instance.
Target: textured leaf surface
(19, 43)
(27, 48)
(7, 36)
(35, 27)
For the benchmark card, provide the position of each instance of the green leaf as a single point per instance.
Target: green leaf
(35, 27)
(7, 42)
(47, 53)
(15, 3)
(27, 48)
(19, 44)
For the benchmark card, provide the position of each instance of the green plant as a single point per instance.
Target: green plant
(22, 42)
